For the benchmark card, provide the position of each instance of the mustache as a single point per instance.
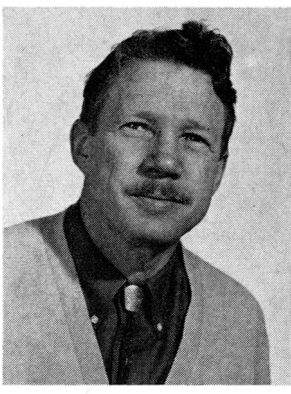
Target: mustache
(154, 188)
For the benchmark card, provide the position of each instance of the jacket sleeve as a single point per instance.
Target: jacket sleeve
(262, 365)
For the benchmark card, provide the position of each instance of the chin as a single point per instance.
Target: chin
(157, 233)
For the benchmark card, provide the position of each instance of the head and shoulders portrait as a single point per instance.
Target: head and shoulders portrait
(143, 210)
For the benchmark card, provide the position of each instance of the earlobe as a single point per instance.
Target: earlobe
(79, 140)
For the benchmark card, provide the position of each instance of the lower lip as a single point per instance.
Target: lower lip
(153, 205)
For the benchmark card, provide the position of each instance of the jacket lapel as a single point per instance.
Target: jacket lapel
(74, 305)
(184, 369)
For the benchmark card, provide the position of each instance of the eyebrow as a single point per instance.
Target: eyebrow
(189, 122)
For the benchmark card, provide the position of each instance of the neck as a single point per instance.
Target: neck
(136, 260)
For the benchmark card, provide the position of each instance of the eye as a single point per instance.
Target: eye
(192, 138)
(137, 129)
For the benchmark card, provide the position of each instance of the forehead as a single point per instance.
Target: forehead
(167, 89)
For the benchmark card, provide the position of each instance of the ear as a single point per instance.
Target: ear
(220, 171)
(80, 146)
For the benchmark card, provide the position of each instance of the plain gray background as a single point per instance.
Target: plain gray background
(47, 54)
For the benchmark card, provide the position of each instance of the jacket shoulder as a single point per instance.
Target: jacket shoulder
(24, 246)
(29, 232)
(22, 233)
(219, 288)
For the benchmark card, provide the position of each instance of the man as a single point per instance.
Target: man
(104, 292)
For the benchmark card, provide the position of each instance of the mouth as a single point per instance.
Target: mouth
(159, 197)
(156, 203)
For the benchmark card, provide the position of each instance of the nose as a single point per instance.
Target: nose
(163, 158)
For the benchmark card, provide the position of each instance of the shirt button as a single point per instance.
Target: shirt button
(159, 327)
(94, 319)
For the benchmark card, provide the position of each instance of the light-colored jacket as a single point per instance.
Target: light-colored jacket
(48, 337)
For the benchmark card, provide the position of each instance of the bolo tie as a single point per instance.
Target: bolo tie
(140, 334)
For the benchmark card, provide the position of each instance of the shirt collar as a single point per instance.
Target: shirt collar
(101, 280)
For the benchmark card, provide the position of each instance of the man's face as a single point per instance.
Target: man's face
(154, 162)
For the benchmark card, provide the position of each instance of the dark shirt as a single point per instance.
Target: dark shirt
(137, 347)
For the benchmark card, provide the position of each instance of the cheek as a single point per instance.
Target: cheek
(125, 158)
(114, 160)
(201, 173)
(103, 155)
